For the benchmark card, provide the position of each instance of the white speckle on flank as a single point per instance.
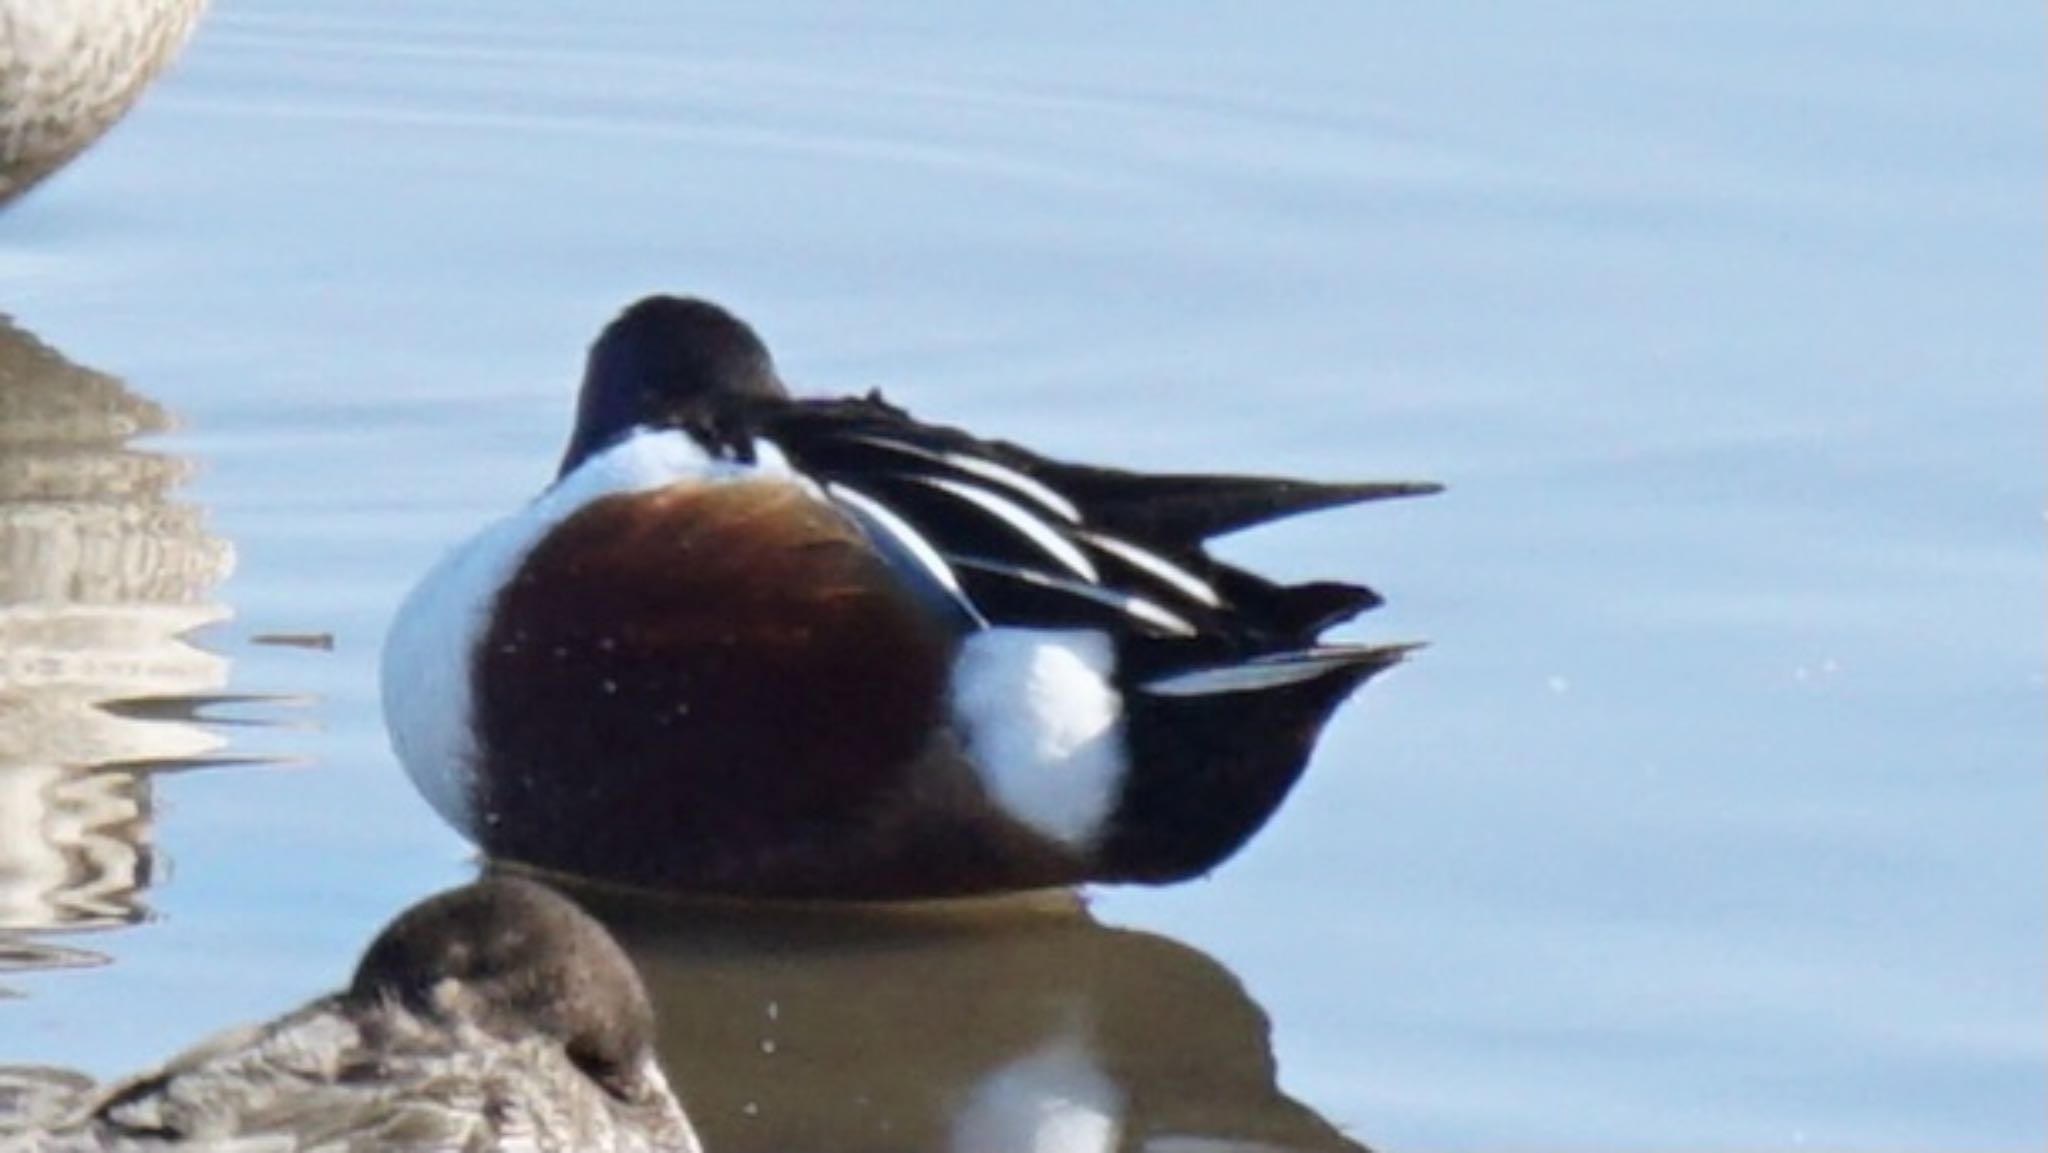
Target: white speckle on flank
(425, 675)
(1040, 721)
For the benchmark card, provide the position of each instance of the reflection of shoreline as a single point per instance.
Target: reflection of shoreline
(871, 1029)
(102, 576)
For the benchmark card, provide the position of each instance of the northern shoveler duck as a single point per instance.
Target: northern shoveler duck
(816, 648)
(497, 1016)
(69, 70)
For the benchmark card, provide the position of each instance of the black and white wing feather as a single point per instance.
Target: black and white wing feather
(1017, 540)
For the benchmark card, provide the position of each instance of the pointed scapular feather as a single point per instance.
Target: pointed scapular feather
(1279, 670)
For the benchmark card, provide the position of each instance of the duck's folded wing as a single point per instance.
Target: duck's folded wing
(1029, 542)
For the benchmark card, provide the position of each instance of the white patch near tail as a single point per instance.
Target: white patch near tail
(430, 650)
(1042, 724)
(1055, 1099)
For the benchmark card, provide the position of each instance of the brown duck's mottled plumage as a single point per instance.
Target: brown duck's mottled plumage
(494, 1017)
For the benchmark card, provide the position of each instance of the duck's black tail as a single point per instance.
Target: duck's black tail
(1214, 751)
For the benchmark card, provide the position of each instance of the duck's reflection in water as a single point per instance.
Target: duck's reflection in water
(496, 1017)
(102, 573)
(970, 1029)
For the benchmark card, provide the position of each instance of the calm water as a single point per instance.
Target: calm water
(1712, 818)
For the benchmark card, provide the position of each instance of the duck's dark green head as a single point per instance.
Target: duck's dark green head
(667, 362)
